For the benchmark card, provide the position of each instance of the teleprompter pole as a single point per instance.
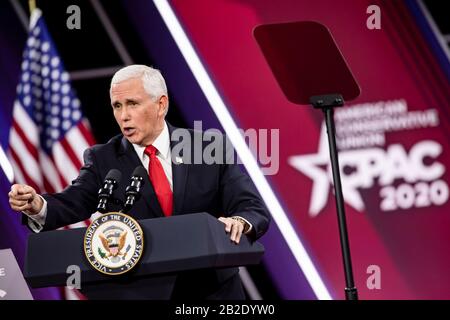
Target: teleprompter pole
(327, 103)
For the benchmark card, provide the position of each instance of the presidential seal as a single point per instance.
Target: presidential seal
(113, 243)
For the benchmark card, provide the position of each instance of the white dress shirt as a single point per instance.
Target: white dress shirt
(162, 144)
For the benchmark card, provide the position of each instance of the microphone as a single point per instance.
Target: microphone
(111, 182)
(132, 192)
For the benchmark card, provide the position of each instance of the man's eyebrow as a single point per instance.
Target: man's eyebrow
(133, 100)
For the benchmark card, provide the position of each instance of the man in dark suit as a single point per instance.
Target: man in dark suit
(175, 185)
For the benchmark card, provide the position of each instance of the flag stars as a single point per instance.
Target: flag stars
(45, 71)
(27, 100)
(65, 88)
(55, 98)
(36, 31)
(37, 93)
(44, 90)
(46, 83)
(55, 86)
(30, 41)
(32, 54)
(38, 116)
(55, 74)
(25, 65)
(55, 62)
(76, 103)
(45, 58)
(55, 134)
(55, 122)
(55, 110)
(65, 102)
(26, 88)
(66, 113)
(36, 80)
(25, 76)
(76, 115)
(36, 68)
(45, 46)
(64, 76)
(36, 56)
(66, 124)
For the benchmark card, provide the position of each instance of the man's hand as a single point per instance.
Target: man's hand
(24, 198)
(233, 226)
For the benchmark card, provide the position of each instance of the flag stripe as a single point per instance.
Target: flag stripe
(73, 294)
(62, 180)
(18, 176)
(78, 141)
(48, 187)
(30, 147)
(25, 158)
(63, 163)
(21, 117)
(81, 224)
(50, 172)
(70, 153)
(22, 172)
(86, 133)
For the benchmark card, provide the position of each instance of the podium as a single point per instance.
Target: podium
(171, 245)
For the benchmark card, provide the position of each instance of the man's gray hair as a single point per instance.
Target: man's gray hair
(152, 79)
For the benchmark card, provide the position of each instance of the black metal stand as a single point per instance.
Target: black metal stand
(327, 103)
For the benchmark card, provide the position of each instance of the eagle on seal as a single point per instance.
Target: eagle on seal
(113, 244)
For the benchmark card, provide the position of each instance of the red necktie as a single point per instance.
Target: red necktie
(159, 181)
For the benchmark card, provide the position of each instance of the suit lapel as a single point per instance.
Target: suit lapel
(179, 174)
(130, 161)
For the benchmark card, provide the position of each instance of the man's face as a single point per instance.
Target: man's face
(140, 119)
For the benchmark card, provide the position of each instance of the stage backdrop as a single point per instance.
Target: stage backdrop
(393, 140)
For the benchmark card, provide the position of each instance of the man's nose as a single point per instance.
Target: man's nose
(125, 114)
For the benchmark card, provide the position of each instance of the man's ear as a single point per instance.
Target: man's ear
(163, 104)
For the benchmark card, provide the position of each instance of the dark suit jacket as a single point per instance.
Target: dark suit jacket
(219, 189)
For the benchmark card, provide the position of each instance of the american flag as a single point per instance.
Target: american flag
(48, 135)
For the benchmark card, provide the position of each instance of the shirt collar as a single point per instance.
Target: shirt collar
(162, 143)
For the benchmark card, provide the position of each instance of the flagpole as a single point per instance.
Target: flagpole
(32, 6)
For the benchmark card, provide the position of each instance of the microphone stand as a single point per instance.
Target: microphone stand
(327, 103)
(132, 193)
(105, 194)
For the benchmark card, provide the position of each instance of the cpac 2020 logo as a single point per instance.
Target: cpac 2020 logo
(408, 177)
